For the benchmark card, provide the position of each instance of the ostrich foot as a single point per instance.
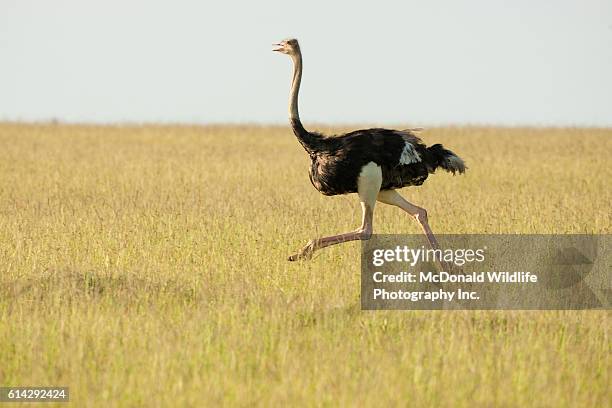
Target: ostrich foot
(304, 254)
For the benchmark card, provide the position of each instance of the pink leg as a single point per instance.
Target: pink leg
(392, 197)
(362, 233)
(368, 184)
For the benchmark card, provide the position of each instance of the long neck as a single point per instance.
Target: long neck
(308, 140)
(294, 115)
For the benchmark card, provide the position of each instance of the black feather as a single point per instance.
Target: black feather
(337, 161)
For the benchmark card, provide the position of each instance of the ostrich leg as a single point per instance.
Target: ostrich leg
(392, 197)
(368, 187)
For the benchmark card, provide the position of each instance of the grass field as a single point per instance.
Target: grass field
(146, 266)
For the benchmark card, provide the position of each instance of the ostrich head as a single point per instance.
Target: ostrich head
(289, 46)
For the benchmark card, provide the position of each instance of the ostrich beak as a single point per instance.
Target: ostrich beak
(280, 47)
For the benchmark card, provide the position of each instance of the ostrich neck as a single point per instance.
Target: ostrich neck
(311, 142)
(294, 115)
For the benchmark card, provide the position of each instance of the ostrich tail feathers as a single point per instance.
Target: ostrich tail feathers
(444, 158)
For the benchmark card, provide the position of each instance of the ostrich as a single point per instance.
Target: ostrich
(371, 162)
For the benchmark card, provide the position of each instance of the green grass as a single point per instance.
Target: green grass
(146, 266)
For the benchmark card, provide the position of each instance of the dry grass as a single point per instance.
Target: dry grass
(145, 266)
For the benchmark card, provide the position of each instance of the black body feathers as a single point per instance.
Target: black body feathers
(404, 160)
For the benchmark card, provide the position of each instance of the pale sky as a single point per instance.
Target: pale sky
(516, 62)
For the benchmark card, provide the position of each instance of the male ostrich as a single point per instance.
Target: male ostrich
(370, 162)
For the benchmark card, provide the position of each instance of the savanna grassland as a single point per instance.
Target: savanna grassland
(146, 266)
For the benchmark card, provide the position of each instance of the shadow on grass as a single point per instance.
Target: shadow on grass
(71, 285)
